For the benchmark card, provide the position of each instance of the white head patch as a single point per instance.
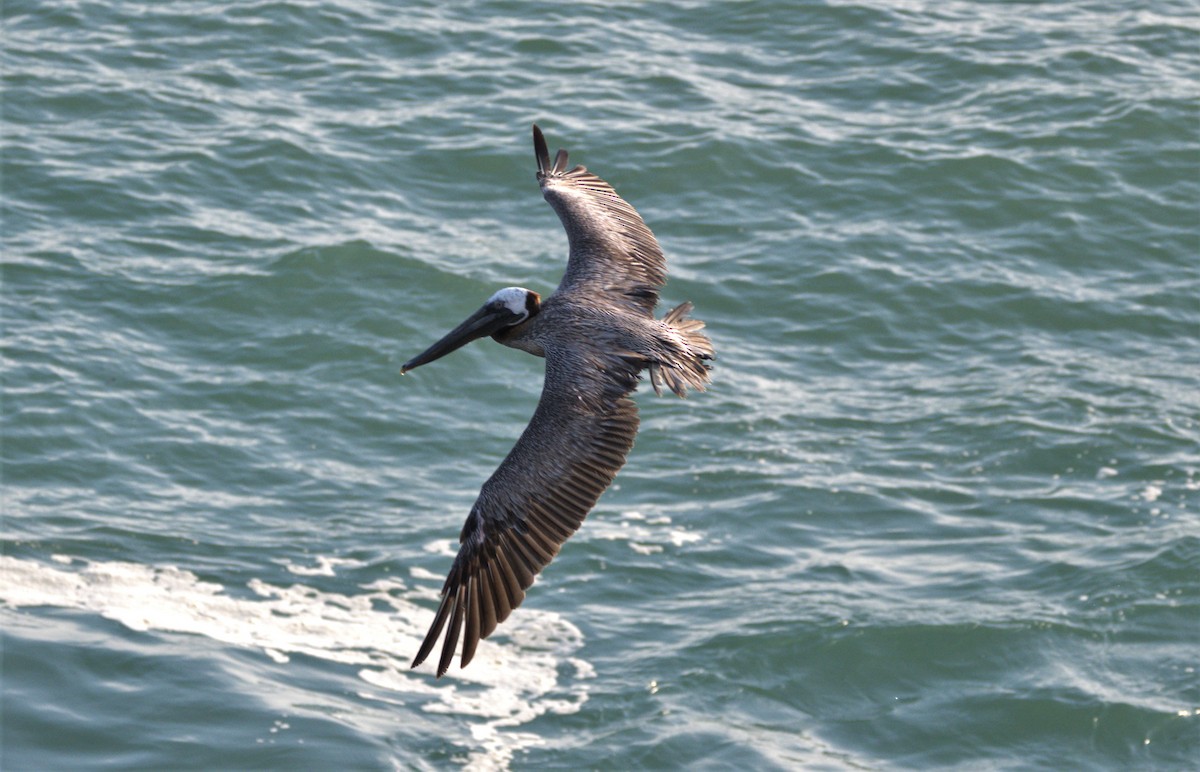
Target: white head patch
(513, 298)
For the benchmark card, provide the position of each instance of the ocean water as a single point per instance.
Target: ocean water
(939, 509)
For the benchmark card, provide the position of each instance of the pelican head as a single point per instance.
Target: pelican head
(504, 310)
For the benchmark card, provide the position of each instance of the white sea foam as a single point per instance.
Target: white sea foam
(645, 534)
(325, 566)
(507, 685)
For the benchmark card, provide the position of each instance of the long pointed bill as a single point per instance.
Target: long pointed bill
(485, 321)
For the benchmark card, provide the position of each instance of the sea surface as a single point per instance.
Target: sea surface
(940, 508)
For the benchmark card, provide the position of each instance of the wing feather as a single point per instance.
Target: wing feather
(474, 616)
(487, 604)
(537, 498)
(611, 249)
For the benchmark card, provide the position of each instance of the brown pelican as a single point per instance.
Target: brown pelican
(597, 332)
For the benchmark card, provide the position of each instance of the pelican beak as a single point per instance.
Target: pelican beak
(488, 320)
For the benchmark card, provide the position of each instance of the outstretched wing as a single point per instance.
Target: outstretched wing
(576, 441)
(612, 250)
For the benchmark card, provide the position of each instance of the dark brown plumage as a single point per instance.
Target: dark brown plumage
(597, 333)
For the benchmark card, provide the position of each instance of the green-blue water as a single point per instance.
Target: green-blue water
(940, 508)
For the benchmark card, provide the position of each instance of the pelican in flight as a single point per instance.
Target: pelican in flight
(597, 332)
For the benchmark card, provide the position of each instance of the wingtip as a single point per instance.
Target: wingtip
(540, 151)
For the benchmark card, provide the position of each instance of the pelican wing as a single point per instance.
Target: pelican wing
(611, 249)
(576, 441)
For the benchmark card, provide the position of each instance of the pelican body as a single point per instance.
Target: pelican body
(597, 333)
